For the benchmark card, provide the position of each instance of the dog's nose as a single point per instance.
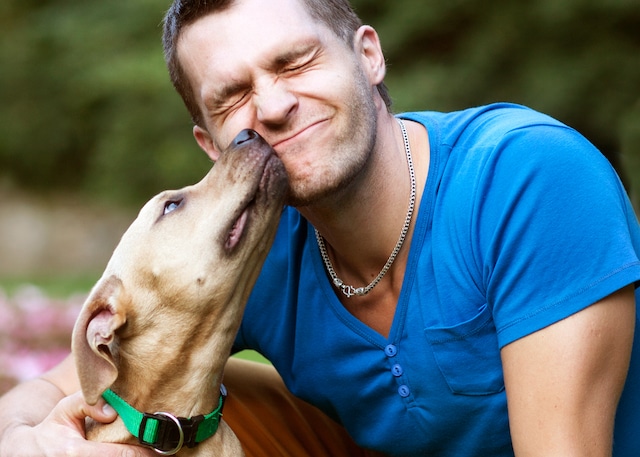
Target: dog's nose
(244, 136)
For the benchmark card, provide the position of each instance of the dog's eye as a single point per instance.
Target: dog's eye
(171, 205)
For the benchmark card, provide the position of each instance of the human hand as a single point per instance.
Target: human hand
(62, 433)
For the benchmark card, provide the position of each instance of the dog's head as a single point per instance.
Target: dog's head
(190, 252)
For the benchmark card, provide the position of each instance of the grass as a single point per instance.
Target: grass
(251, 355)
(51, 285)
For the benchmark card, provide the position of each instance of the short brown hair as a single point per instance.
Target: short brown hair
(338, 15)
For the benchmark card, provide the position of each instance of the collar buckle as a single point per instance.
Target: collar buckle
(190, 427)
(165, 434)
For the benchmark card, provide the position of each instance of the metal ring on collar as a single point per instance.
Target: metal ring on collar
(180, 440)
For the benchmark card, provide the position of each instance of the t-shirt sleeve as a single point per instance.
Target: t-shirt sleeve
(554, 228)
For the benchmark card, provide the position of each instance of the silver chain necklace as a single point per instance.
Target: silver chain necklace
(350, 291)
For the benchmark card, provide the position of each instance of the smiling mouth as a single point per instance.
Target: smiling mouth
(297, 133)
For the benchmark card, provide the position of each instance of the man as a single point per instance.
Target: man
(453, 284)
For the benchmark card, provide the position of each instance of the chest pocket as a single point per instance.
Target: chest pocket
(468, 355)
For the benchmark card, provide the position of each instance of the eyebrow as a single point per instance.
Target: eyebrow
(226, 91)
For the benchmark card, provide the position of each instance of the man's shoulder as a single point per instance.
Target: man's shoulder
(482, 122)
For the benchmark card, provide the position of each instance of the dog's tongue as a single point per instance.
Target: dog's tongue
(236, 231)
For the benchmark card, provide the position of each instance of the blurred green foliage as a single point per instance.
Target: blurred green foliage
(86, 104)
(55, 286)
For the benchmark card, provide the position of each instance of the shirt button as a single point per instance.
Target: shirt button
(397, 370)
(390, 350)
(404, 391)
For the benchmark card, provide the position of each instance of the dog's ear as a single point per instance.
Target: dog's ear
(94, 340)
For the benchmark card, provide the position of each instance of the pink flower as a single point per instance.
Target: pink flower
(35, 333)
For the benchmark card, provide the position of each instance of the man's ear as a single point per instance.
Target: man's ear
(367, 46)
(94, 340)
(206, 143)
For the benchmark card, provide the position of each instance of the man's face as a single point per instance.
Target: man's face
(271, 67)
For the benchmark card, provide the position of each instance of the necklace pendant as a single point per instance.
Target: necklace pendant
(350, 291)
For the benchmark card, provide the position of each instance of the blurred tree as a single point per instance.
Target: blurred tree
(577, 60)
(85, 101)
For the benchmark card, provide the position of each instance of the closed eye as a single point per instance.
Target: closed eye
(296, 60)
(238, 100)
(294, 68)
(171, 205)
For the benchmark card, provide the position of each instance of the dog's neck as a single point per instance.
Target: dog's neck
(179, 373)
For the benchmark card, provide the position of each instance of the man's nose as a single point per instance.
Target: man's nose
(274, 102)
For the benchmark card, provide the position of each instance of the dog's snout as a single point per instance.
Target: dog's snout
(245, 136)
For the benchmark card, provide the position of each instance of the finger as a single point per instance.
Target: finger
(74, 409)
(101, 411)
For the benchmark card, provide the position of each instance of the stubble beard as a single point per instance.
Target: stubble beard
(352, 148)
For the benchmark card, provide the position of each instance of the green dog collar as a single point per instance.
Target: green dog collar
(164, 432)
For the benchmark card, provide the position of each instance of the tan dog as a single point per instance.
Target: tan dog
(157, 328)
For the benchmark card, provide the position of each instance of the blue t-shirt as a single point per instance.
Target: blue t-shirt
(522, 223)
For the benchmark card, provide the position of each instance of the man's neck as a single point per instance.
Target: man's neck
(361, 224)
(361, 227)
